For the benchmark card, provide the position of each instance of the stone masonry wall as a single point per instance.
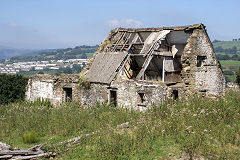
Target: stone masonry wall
(127, 93)
(96, 93)
(52, 88)
(207, 78)
(39, 87)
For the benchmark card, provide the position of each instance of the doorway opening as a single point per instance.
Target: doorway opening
(113, 97)
(68, 94)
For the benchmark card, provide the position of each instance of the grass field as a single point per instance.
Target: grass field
(230, 65)
(197, 126)
(227, 44)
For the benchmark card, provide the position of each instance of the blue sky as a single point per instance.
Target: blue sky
(38, 24)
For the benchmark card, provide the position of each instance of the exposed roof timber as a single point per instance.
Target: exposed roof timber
(141, 39)
(195, 26)
(166, 54)
(144, 66)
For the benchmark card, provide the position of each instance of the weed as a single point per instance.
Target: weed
(30, 137)
(197, 126)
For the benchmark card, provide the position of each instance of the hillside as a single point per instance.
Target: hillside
(8, 52)
(227, 44)
(78, 52)
(228, 53)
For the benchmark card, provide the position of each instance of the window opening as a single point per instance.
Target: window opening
(175, 94)
(201, 60)
(142, 97)
(68, 94)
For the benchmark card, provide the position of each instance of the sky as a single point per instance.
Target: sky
(41, 24)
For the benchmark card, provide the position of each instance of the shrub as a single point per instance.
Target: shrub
(84, 83)
(12, 88)
(29, 137)
(228, 72)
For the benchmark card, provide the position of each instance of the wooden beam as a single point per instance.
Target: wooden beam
(163, 70)
(141, 39)
(18, 152)
(151, 49)
(136, 55)
(127, 73)
(116, 44)
(144, 67)
(126, 42)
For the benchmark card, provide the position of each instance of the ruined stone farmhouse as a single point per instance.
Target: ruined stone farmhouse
(138, 68)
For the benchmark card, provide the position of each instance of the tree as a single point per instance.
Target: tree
(238, 77)
(84, 56)
(234, 57)
(234, 50)
(12, 88)
(215, 41)
(219, 49)
(225, 57)
(76, 68)
(67, 70)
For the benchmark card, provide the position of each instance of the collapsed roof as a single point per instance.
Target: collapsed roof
(141, 45)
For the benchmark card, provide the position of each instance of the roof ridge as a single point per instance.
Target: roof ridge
(200, 25)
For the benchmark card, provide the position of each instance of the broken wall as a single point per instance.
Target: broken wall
(129, 92)
(40, 87)
(96, 93)
(206, 78)
(52, 88)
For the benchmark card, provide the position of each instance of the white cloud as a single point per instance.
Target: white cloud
(124, 23)
(12, 24)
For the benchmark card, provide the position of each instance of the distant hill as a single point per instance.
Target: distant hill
(228, 53)
(226, 44)
(57, 54)
(8, 52)
(227, 50)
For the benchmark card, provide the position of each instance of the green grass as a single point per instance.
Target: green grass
(230, 63)
(232, 66)
(197, 126)
(27, 73)
(89, 55)
(227, 44)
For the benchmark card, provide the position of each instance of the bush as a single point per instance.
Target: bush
(12, 88)
(29, 137)
(228, 72)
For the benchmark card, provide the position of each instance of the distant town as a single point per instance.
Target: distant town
(15, 67)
